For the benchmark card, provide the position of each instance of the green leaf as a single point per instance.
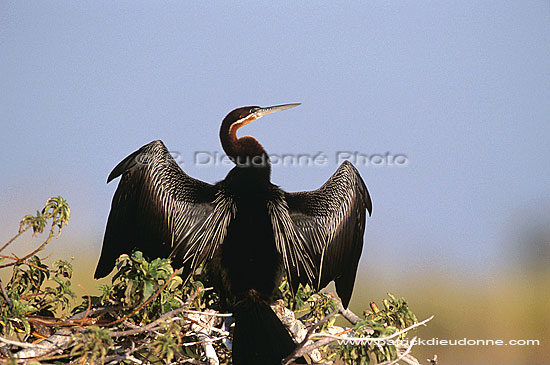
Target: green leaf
(148, 290)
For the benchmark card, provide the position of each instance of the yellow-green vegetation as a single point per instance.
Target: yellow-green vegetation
(149, 314)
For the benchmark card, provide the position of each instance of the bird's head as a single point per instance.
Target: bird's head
(245, 146)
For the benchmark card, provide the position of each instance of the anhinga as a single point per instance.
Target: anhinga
(244, 229)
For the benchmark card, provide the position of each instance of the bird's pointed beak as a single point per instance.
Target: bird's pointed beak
(272, 109)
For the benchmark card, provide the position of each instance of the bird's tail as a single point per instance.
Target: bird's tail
(259, 336)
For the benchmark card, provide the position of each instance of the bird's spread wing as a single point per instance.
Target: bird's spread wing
(323, 239)
(161, 211)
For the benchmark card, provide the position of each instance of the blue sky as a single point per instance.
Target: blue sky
(460, 88)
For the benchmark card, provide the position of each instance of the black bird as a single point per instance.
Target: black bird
(245, 229)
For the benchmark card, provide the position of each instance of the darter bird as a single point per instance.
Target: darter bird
(244, 229)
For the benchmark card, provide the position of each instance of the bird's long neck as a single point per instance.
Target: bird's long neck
(246, 151)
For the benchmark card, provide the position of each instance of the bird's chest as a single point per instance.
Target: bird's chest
(250, 232)
(249, 258)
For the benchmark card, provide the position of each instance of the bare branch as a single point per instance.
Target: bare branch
(17, 343)
(59, 341)
(403, 355)
(371, 339)
(203, 333)
(298, 351)
(326, 338)
(345, 312)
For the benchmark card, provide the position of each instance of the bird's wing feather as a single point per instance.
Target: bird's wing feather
(161, 211)
(324, 240)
